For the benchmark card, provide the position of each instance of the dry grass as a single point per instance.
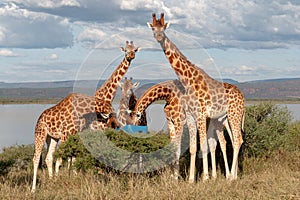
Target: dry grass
(276, 177)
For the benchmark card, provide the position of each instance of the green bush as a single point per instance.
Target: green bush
(292, 140)
(266, 128)
(16, 158)
(118, 150)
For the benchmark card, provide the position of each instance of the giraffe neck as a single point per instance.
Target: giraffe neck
(200, 87)
(157, 92)
(109, 88)
(185, 70)
(126, 103)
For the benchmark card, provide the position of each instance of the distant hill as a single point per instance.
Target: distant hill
(271, 89)
(260, 89)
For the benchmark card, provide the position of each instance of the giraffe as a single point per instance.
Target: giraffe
(60, 121)
(73, 113)
(127, 102)
(110, 86)
(172, 92)
(207, 98)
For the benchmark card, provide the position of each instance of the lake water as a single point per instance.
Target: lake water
(17, 122)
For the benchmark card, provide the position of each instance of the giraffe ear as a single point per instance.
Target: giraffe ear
(120, 84)
(135, 85)
(167, 24)
(150, 25)
(104, 115)
(137, 49)
(122, 48)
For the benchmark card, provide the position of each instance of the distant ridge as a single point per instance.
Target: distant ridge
(274, 80)
(280, 88)
(285, 88)
(84, 83)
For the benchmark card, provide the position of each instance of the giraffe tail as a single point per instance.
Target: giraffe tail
(243, 121)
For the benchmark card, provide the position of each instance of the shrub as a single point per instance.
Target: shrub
(292, 140)
(266, 128)
(15, 158)
(118, 150)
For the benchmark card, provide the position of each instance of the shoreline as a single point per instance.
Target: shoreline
(56, 100)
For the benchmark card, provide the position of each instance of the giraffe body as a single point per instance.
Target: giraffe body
(207, 98)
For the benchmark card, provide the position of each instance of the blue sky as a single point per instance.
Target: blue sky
(79, 39)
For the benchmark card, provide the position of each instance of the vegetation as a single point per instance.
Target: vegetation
(118, 150)
(271, 166)
(265, 128)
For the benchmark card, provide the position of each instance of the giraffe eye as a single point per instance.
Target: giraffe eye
(138, 115)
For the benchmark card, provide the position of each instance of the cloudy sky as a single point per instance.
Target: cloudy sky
(53, 40)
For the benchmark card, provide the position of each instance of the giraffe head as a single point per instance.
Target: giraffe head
(158, 27)
(127, 101)
(129, 50)
(135, 117)
(112, 121)
(127, 87)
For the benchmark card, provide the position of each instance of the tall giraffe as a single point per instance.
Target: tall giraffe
(173, 93)
(207, 97)
(127, 103)
(73, 113)
(109, 88)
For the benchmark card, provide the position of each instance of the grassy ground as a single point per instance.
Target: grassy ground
(271, 170)
(275, 177)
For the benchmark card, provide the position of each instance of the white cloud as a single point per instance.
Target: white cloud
(53, 56)
(91, 35)
(47, 3)
(27, 29)
(216, 24)
(7, 53)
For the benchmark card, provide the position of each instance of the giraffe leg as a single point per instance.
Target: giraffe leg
(71, 161)
(176, 141)
(58, 163)
(39, 143)
(237, 142)
(201, 124)
(51, 143)
(226, 124)
(193, 145)
(220, 133)
(234, 168)
(212, 148)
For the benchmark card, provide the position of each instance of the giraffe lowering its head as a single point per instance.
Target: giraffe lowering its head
(173, 93)
(59, 122)
(77, 112)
